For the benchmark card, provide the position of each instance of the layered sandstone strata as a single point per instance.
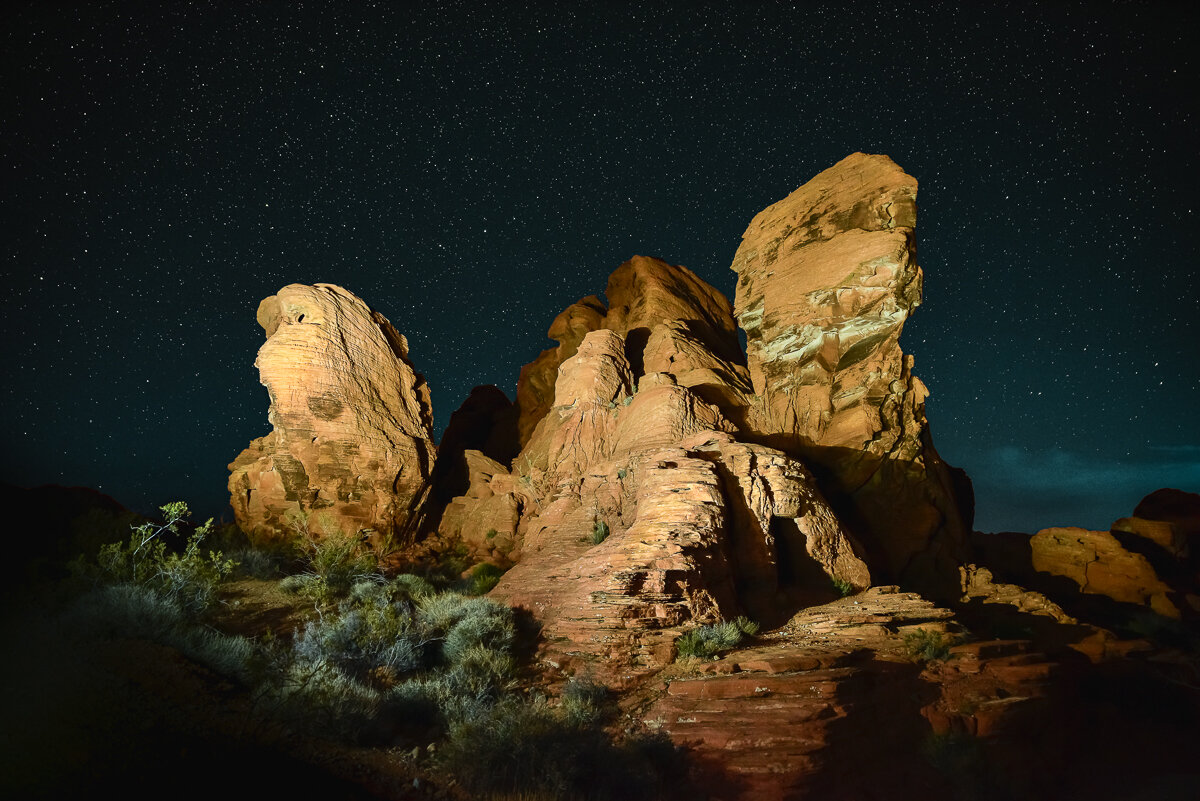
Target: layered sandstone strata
(350, 448)
(826, 279)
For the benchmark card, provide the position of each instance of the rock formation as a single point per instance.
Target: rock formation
(350, 449)
(826, 278)
(636, 443)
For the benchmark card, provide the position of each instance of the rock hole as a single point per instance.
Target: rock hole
(300, 319)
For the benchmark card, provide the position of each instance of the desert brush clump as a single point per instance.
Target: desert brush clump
(710, 640)
(599, 532)
(534, 749)
(924, 645)
(382, 661)
(394, 646)
(334, 563)
(186, 579)
(484, 576)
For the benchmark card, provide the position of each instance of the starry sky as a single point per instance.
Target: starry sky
(470, 170)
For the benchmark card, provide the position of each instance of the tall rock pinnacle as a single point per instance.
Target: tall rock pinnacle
(351, 445)
(826, 278)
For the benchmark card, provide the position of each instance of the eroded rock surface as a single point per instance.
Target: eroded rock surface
(699, 527)
(1097, 562)
(833, 706)
(826, 279)
(350, 448)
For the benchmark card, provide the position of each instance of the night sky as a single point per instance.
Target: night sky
(469, 171)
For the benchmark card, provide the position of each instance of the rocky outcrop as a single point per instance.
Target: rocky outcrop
(485, 518)
(350, 449)
(643, 515)
(1098, 563)
(688, 320)
(826, 278)
(535, 387)
(833, 706)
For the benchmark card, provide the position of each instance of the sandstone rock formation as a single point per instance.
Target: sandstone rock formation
(831, 706)
(700, 526)
(350, 448)
(690, 322)
(826, 278)
(1103, 577)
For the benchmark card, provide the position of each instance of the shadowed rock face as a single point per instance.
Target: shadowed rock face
(826, 278)
(350, 446)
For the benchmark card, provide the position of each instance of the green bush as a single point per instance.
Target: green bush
(599, 532)
(924, 645)
(484, 576)
(842, 587)
(711, 640)
(188, 580)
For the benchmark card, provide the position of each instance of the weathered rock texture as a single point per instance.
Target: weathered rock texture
(636, 443)
(826, 278)
(690, 322)
(831, 706)
(351, 445)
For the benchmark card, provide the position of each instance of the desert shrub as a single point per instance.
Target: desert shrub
(189, 579)
(318, 697)
(489, 626)
(257, 563)
(411, 586)
(341, 561)
(533, 749)
(131, 610)
(484, 576)
(842, 587)
(126, 610)
(924, 645)
(706, 641)
(599, 532)
(585, 701)
(362, 639)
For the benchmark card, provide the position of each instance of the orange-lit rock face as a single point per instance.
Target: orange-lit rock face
(1101, 565)
(646, 295)
(350, 446)
(826, 278)
(700, 527)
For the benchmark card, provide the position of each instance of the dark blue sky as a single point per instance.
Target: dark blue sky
(469, 171)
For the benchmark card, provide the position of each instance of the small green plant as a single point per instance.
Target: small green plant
(491, 534)
(484, 576)
(599, 532)
(622, 473)
(627, 400)
(843, 587)
(707, 641)
(924, 645)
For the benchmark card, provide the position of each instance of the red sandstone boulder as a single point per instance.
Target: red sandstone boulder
(350, 449)
(826, 278)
